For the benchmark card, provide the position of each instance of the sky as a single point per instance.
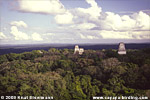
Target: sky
(74, 21)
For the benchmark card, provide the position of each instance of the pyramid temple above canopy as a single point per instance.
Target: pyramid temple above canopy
(121, 49)
(78, 50)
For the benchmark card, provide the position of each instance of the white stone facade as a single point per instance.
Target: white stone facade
(81, 50)
(78, 50)
(121, 49)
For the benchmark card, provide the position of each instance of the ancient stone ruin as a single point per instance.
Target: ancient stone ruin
(81, 50)
(121, 49)
(78, 50)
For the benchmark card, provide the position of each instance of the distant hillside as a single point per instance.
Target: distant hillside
(25, 48)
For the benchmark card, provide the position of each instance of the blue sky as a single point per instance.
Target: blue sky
(70, 21)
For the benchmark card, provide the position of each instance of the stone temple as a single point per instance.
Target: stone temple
(78, 50)
(81, 50)
(121, 49)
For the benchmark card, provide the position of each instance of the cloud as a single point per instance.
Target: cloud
(91, 22)
(137, 21)
(66, 18)
(82, 36)
(85, 26)
(91, 37)
(142, 20)
(49, 34)
(18, 34)
(109, 25)
(124, 34)
(93, 11)
(19, 24)
(141, 34)
(115, 35)
(36, 37)
(87, 36)
(114, 21)
(2, 36)
(41, 6)
(92, 3)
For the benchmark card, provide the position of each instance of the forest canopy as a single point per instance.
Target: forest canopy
(67, 76)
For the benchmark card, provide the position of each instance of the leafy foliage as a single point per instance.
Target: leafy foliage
(66, 76)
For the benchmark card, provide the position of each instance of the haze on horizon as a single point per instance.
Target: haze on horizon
(70, 21)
